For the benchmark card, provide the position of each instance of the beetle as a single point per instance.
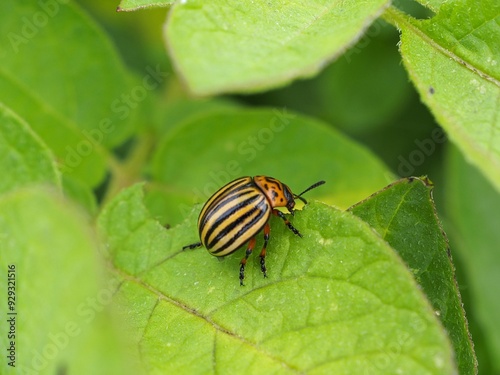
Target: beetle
(239, 210)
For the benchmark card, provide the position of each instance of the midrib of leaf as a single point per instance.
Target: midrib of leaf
(472, 30)
(66, 122)
(396, 211)
(15, 149)
(396, 17)
(218, 328)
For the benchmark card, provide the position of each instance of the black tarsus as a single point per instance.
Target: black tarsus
(192, 246)
(287, 223)
(248, 252)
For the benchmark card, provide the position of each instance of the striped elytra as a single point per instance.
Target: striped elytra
(232, 216)
(238, 211)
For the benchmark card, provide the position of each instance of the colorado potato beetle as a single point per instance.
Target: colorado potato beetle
(239, 210)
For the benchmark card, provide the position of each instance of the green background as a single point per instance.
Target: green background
(115, 128)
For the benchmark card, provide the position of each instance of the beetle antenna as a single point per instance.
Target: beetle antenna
(313, 186)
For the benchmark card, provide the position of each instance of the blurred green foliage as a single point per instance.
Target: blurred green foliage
(93, 101)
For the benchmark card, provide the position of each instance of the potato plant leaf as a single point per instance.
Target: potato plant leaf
(454, 61)
(24, 158)
(339, 300)
(473, 205)
(404, 215)
(248, 46)
(62, 322)
(74, 99)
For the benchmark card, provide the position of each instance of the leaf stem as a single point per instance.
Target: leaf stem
(130, 170)
(396, 17)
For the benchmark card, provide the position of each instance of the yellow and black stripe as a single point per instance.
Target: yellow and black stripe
(233, 216)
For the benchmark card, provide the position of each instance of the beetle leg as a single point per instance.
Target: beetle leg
(192, 246)
(267, 231)
(287, 223)
(251, 245)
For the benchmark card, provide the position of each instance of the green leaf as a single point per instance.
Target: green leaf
(208, 151)
(454, 61)
(473, 205)
(434, 5)
(70, 91)
(61, 319)
(222, 46)
(130, 5)
(24, 159)
(78, 192)
(179, 111)
(404, 215)
(338, 300)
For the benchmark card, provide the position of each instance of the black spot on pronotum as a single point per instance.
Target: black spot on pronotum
(431, 90)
